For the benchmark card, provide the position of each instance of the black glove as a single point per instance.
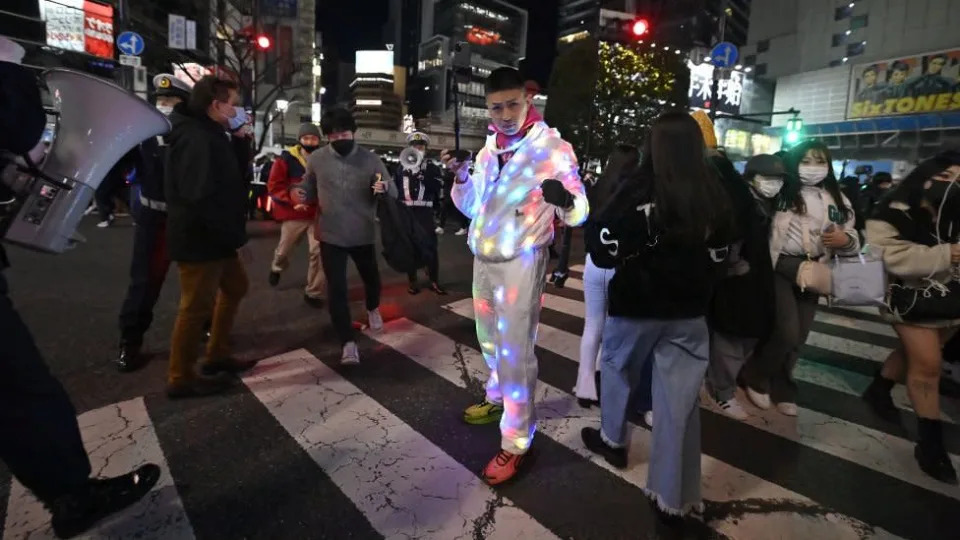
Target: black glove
(555, 194)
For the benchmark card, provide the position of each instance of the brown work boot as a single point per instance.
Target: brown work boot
(226, 365)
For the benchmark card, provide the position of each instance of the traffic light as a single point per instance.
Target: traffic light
(263, 42)
(639, 28)
(794, 125)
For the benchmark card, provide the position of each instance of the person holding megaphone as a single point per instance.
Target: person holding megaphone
(420, 182)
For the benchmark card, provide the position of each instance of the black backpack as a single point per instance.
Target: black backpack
(405, 243)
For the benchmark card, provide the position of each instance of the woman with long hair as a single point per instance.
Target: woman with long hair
(622, 161)
(666, 231)
(916, 230)
(814, 221)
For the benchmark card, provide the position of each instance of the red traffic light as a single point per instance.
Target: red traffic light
(263, 42)
(640, 27)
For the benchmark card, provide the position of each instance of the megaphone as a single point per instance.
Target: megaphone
(411, 158)
(99, 122)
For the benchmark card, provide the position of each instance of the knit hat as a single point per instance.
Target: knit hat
(308, 129)
(10, 51)
(706, 127)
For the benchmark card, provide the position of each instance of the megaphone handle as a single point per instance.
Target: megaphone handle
(33, 169)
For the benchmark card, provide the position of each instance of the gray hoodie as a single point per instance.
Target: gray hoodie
(342, 186)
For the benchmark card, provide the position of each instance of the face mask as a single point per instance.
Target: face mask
(768, 186)
(517, 124)
(165, 109)
(812, 175)
(309, 148)
(342, 146)
(239, 118)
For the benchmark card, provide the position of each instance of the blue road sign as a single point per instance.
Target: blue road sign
(724, 54)
(130, 43)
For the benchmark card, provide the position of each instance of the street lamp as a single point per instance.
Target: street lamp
(282, 106)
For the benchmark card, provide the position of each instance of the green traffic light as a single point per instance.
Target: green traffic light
(792, 137)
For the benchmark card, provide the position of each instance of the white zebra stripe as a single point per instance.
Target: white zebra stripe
(118, 439)
(561, 419)
(855, 443)
(358, 442)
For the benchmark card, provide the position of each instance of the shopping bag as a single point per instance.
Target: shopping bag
(858, 281)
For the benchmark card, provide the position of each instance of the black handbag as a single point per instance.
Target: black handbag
(935, 302)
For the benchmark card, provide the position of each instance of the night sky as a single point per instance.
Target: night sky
(349, 25)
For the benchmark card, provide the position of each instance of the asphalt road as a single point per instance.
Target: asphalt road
(307, 448)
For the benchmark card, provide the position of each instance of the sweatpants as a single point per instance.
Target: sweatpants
(595, 282)
(506, 304)
(771, 368)
(334, 259)
(679, 351)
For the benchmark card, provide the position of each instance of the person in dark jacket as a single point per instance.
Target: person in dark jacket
(879, 187)
(296, 215)
(204, 181)
(40, 439)
(150, 261)
(418, 188)
(666, 231)
(743, 304)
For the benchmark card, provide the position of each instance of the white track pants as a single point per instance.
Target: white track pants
(506, 302)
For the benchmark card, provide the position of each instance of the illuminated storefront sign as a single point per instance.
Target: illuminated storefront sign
(701, 91)
(79, 25)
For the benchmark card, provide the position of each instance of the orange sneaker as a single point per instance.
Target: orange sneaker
(503, 467)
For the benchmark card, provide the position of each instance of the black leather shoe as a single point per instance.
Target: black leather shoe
(130, 358)
(76, 513)
(274, 279)
(315, 303)
(594, 442)
(226, 365)
(201, 386)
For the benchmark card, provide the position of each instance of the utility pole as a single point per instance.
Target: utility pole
(123, 20)
(717, 71)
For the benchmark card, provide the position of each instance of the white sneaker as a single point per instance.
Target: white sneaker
(439, 230)
(461, 232)
(375, 320)
(350, 356)
(648, 418)
(106, 223)
(762, 401)
(787, 409)
(733, 409)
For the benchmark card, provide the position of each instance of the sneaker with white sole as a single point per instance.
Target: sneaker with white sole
(732, 408)
(762, 401)
(439, 230)
(351, 355)
(106, 223)
(375, 320)
(461, 232)
(648, 418)
(787, 408)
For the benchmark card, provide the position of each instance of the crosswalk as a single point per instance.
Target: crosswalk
(306, 448)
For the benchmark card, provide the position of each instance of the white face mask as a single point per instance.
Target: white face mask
(812, 175)
(768, 186)
(165, 109)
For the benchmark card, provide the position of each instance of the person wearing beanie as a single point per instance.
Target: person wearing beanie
(150, 261)
(296, 214)
(40, 440)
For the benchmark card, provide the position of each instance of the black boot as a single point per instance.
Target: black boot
(594, 442)
(930, 453)
(75, 513)
(877, 395)
(130, 358)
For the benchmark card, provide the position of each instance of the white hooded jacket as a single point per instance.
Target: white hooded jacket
(509, 214)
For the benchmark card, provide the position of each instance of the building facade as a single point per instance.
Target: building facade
(375, 101)
(872, 80)
(490, 33)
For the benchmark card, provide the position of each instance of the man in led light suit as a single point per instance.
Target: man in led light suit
(523, 177)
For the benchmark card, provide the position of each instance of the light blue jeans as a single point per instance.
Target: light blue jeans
(679, 350)
(595, 281)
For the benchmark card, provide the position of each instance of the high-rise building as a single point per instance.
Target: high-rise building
(578, 19)
(491, 33)
(403, 32)
(374, 102)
